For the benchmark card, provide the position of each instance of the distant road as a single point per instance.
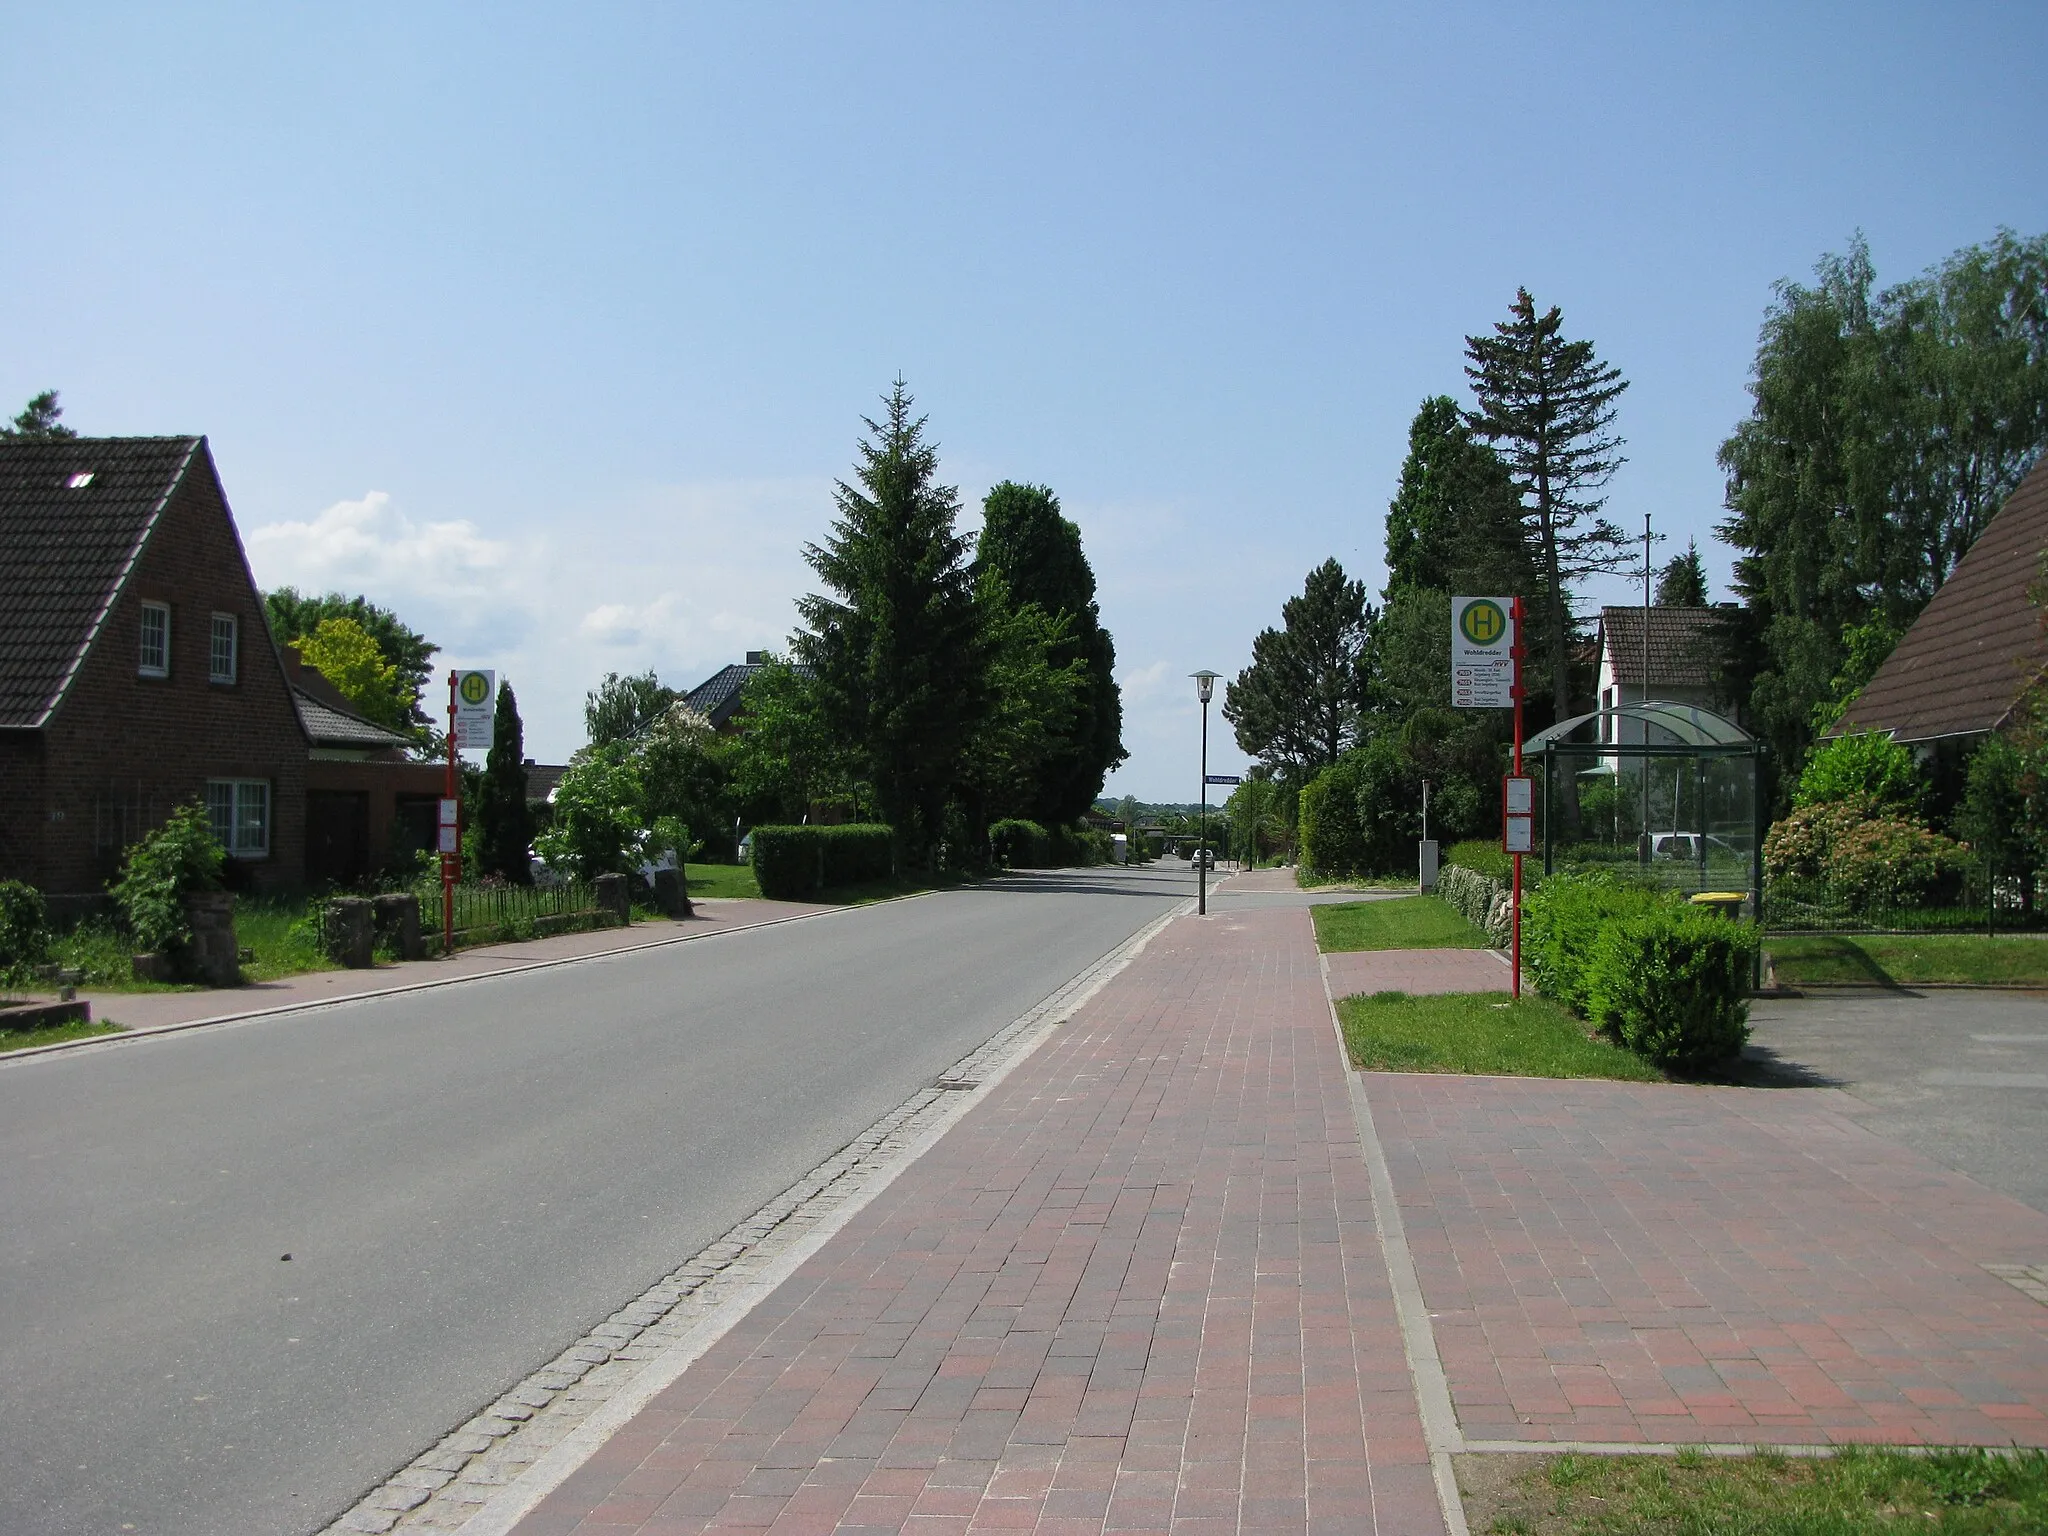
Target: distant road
(465, 1178)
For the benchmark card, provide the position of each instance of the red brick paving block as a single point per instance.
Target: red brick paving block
(1790, 1276)
(1137, 1288)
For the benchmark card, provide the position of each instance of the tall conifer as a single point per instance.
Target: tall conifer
(898, 654)
(1547, 405)
(504, 819)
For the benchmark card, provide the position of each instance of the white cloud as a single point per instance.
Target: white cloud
(678, 578)
(372, 544)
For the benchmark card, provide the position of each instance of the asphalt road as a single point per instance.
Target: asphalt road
(465, 1180)
(1959, 1076)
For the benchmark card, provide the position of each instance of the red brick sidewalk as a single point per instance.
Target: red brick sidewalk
(1621, 1262)
(1136, 1289)
(1418, 972)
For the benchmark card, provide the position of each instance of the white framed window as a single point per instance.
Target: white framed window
(155, 660)
(221, 654)
(239, 810)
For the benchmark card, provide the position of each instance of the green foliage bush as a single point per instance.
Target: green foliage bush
(1868, 766)
(1855, 854)
(798, 863)
(1666, 980)
(1019, 844)
(159, 872)
(1332, 842)
(600, 821)
(1078, 846)
(1561, 924)
(1671, 984)
(24, 928)
(1482, 856)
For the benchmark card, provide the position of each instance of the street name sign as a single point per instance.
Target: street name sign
(1222, 778)
(476, 702)
(1482, 653)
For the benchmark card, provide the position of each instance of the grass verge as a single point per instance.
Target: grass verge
(726, 880)
(1480, 1032)
(1901, 959)
(1406, 922)
(284, 944)
(1952, 1493)
(52, 1034)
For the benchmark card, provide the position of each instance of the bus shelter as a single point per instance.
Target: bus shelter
(1666, 792)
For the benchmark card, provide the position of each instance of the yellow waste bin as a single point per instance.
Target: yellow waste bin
(1727, 903)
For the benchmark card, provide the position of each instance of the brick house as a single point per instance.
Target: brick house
(367, 801)
(137, 670)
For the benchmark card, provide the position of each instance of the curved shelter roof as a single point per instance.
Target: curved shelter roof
(1667, 728)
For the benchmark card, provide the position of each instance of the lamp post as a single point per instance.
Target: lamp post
(1205, 685)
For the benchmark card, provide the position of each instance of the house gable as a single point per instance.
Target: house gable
(118, 741)
(1978, 644)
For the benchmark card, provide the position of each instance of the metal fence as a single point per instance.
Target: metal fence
(494, 907)
(1974, 902)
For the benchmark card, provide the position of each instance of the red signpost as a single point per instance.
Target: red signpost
(450, 832)
(1515, 952)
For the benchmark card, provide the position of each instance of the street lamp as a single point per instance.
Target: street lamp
(1205, 685)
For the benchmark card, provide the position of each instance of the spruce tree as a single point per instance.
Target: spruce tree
(898, 653)
(1455, 523)
(38, 419)
(504, 819)
(1683, 582)
(1297, 706)
(1547, 405)
(1037, 552)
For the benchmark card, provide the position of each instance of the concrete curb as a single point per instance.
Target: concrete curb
(1440, 1433)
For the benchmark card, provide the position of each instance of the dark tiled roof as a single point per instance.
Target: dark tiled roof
(1974, 649)
(1685, 645)
(329, 726)
(64, 551)
(717, 698)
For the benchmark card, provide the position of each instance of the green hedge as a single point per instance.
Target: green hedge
(1020, 844)
(797, 863)
(1671, 985)
(1483, 856)
(1665, 979)
(24, 927)
(1078, 845)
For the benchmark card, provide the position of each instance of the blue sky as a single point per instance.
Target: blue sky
(552, 328)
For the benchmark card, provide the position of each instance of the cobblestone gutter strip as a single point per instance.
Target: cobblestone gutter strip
(488, 1473)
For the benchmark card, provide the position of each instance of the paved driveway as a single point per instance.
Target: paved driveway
(1961, 1077)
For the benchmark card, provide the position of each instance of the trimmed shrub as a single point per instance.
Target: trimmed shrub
(1562, 922)
(1077, 846)
(177, 859)
(24, 927)
(1483, 857)
(797, 863)
(1671, 985)
(1019, 844)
